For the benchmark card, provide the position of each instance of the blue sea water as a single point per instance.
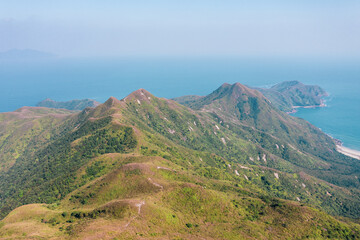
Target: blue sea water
(24, 83)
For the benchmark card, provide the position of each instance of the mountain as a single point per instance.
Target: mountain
(23, 54)
(70, 105)
(289, 95)
(286, 96)
(231, 166)
(247, 107)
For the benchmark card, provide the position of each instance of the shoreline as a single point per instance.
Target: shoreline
(294, 108)
(348, 151)
(339, 145)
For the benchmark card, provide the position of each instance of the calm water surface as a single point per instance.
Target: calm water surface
(26, 83)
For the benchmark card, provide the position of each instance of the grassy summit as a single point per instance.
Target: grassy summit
(231, 166)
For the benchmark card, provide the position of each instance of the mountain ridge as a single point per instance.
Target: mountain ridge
(286, 96)
(152, 166)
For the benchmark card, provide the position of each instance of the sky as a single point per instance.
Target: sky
(302, 28)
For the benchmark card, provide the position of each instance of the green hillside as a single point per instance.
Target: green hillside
(230, 167)
(23, 131)
(287, 95)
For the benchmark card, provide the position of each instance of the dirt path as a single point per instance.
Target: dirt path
(138, 205)
(155, 184)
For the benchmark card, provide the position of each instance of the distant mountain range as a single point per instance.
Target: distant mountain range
(24, 54)
(70, 105)
(229, 165)
(286, 96)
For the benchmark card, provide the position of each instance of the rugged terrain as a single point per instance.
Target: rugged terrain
(229, 165)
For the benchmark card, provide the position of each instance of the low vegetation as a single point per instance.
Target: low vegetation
(149, 168)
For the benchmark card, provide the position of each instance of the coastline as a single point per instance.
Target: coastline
(294, 108)
(348, 152)
(339, 145)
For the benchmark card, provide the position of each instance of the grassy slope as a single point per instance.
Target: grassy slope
(176, 204)
(193, 184)
(27, 129)
(247, 108)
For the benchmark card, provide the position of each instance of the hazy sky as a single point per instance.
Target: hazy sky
(321, 28)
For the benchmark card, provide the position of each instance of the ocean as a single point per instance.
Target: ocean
(24, 83)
